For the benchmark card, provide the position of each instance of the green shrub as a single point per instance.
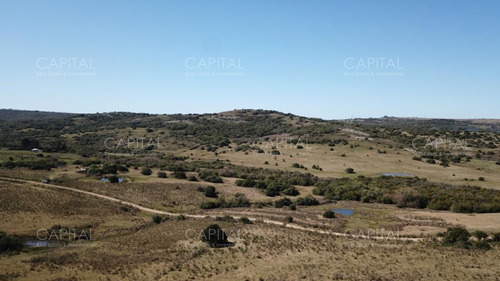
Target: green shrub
(309, 200)
(292, 191)
(113, 179)
(162, 175)
(146, 171)
(214, 236)
(9, 244)
(288, 219)
(156, 219)
(456, 236)
(210, 192)
(245, 220)
(496, 237)
(210, 176)
(282, 202)
(210, 205)
(480, 235)
(179, 175)
(329, 214)
(482, 245)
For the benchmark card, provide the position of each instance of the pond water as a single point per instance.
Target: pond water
(397, 174)
(107, 180)
(36, 243)
(345, 212)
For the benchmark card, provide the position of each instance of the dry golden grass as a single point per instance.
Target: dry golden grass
(162, 252)
(25, 209)
(487, 222)
(140, 250)
(365, 161)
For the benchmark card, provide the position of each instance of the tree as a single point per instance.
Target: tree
(9, 244)
(350, 170)
(496, 237)
(157, 219)
(292, 191)
(309, 200)
(329, 214)
(146, 171)
(162, 175)
(179, 175)
(210, 192)
(288, 219)
(282, 202)
(215, 236)
(457, 236)
(113, 179)
(245, 220)
(480, 235)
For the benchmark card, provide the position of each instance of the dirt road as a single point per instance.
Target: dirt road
(159, 212)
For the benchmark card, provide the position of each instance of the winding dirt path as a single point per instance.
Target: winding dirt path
(159, 212)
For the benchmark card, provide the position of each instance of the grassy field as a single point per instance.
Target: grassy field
(261, 252)
(288, 243)
(365, 161)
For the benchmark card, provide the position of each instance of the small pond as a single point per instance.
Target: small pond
(397, 174)
(36, 243)
(345, 212)
(107, 180)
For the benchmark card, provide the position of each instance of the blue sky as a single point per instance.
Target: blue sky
(311, 58)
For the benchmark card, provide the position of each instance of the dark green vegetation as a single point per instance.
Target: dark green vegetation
(329, 214)
(411, 192)
(460, 237)
(215, 236)
(9, 244)
(156, 219)
(86, 135)
(239, 200)
(35, 163)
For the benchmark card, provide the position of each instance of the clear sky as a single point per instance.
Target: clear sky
(328, 59)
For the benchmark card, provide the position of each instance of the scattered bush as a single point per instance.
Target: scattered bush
(329, 214)
(309, 200)
(210, 192)
(238, 201)
(482, 245)
(210, 176)
(480, 235)
(179, 175)
(245, 220)
(282, 202)
(9, 244)
(456, 236)
(113, 179)
(157, 219)
(146, 171)
(291, 191)
(162, 175)
(214, 236)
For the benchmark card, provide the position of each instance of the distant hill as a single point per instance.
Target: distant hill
(18, 115)
(471, 125)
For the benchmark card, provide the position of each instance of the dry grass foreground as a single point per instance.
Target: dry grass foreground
(267, 251)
